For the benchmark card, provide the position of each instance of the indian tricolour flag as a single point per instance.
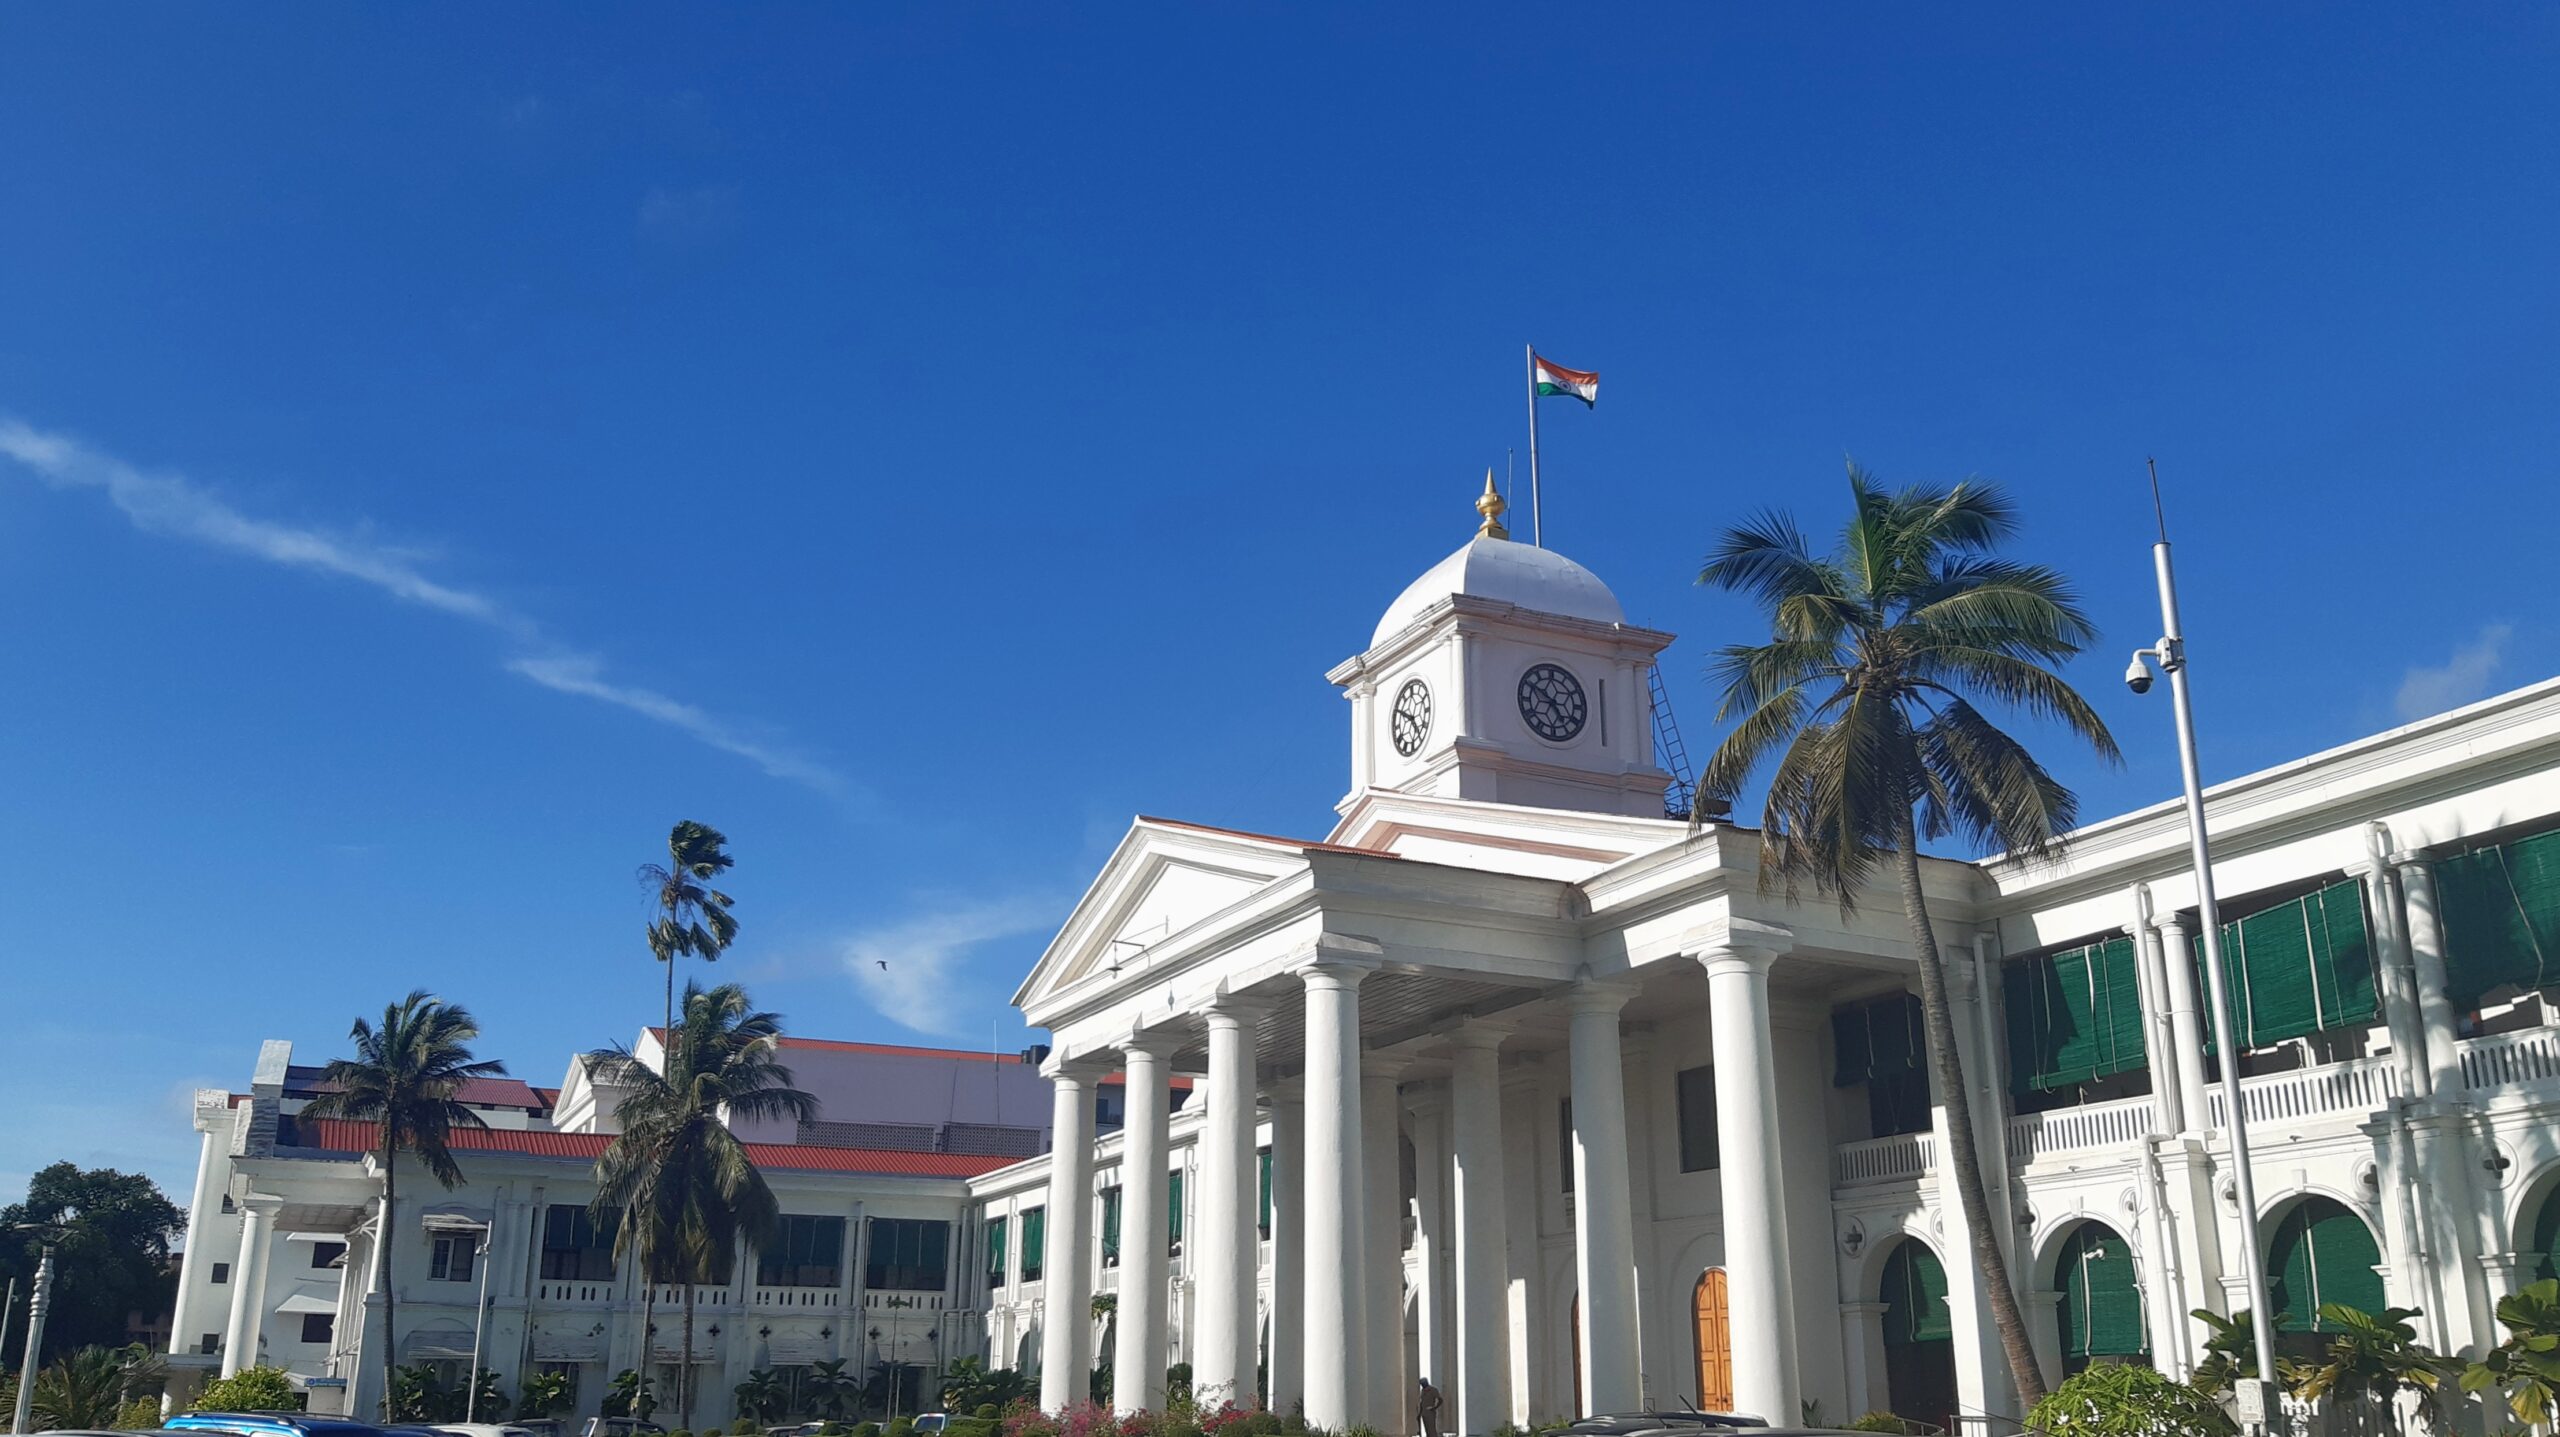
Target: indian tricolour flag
(1582, 384)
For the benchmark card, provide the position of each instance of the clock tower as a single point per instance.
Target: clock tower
(1506, 673)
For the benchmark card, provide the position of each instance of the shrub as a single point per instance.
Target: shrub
(139, 1415)
(1025, 1419)
(2114, 1400)
(252, 1389)
(831, 1428)
(899, 1427)
(1881, 1422)
(681, 1432)
(744, 1427)
(866, 1429)
(988, 1411)
(1264, 1424)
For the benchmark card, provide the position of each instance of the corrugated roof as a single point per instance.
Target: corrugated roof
(344, 1135)
(477, 1092)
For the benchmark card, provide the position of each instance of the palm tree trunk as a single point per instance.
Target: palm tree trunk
(684, 1374)
(648, 1339)
(1947, 1066)
(382, 1264)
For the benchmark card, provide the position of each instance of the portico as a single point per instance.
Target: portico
(1501, 899)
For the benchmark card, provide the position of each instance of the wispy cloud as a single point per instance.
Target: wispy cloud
(173, 505)
(2468, 675)
(911, 971)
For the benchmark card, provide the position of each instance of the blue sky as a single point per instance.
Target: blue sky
(439, 448)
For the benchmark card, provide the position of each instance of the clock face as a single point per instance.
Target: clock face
(1552, 703)
(1410, 722)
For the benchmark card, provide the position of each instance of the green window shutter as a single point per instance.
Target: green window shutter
(2322, 1254)
(2342, 954)
(2546, 1238)
(2275, 948)
(2022, 1001)
(1915, 1297)
(1035, 1242)
(2121, 985)
(1111, 1224)
(2501, 910)
(1852, 1062)
(1265, 1163)
(2101, 1310)
(995, 1244)
(1173, 1212)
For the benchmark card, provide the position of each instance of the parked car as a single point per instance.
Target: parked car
(618, 1427)
(1691, 1424)
(269, 1424)
(927, 1423)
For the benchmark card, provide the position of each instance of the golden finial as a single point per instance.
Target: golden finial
(1490, 505)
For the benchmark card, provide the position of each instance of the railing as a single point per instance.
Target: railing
(2099, 1125)
(1884, 1160)
(2507, 1060)
(2365, 1085)
(802, 1296)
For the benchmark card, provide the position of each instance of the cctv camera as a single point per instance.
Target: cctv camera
(2137, 675)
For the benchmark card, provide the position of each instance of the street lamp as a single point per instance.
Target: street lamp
(479, 1320)
(2170, 655)
(38, 1302)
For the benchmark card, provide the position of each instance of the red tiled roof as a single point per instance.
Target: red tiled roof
(550, 1096)
(341, 1135)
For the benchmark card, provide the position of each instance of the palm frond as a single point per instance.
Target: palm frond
(1993, 790)
(1765, 557)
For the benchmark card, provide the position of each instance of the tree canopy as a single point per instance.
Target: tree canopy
(114, 1261)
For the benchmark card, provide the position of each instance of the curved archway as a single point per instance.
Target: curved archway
(1712, 1325)
(1919, 1335)
(2320, 1252)
(2099, 1316)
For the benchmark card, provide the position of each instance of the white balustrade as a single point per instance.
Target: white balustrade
(1904, 1158)
(2523, 1058)
(2352, 1089)
(2098, 1125)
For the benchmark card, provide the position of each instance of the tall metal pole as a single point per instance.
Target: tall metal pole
(1537, 515)
(2172, 654)
(8, 1309)
(479, 1320)
(37, 1303)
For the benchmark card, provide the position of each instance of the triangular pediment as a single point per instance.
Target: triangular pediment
(1164, 879)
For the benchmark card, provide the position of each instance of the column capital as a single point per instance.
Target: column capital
(263, 1204)
(1709, 941)
(1082, 1070)
(1599, 996)
(2413, 857)
(2170, 922)
(1230, 1008)
(1482, 1033)
(1722, 961)
(1159, 1045)
(1336, 971)
(1374, 1064)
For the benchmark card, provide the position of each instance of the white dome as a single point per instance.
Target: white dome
(1540, 580)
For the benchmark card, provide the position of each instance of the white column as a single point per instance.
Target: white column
(1066, 1273)
(1288, 1249)
(1436, 1349)
(2426, 956)
(1382, 1212)
(2401, 1014)
(2187, 1022)
(2160, 1046)
(1482, 1386)
(1228, 1244)
(1138, 1362)
(1757, 1266)
(249, 1282)
(1335, 1344)
(1983, 1383)
(1604, 1237)
(1537, 1391)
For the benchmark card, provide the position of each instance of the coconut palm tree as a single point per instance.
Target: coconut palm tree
(676, 1165)
(403, 1080)
(692, 918)
(1861, 695)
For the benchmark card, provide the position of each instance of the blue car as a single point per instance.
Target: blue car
(268, 1424)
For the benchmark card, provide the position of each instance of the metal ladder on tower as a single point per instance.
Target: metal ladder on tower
(1669, 753)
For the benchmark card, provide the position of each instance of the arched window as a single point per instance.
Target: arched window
(2321, 1254)
(1919, 1335)
(1715, 1342)
(2100, 1315)
(2545, 1239)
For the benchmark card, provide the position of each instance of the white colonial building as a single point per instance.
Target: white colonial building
(1512, 1083)
(286, 1240)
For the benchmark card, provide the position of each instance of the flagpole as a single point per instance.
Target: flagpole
(1537, 516)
